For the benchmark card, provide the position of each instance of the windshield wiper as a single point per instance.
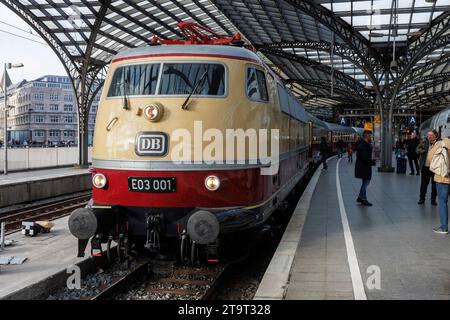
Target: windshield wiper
(125, 96)
(197, 84)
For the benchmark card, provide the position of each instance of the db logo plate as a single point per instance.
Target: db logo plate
(151, 144)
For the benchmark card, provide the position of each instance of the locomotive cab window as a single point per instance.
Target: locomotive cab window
(134, 80)
(198, 79)
(256, 85)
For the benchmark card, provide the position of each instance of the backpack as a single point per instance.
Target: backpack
(440, 162)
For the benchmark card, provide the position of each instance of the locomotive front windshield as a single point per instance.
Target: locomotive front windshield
(207, 79)
(199, 79)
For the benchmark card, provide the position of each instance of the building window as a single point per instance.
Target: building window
(38, 96)
(39, 133)
(54, 107)
(68, 119)
(54, 119)
(54, 97)
(69, 133)
(39, 119)
(68, 97)
(39, 107)
(53, 133)
(68, 107)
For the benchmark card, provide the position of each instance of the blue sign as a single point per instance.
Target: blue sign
(343, 122)
(412, 121)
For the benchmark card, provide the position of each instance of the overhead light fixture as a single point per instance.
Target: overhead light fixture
(430, 1)
(376, 35)
(394, 66)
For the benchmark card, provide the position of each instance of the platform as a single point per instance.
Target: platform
(392, 242)
(48, 257)
(26, 186)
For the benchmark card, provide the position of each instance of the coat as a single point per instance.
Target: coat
(411, 146)
(441, 143)
(364, 162)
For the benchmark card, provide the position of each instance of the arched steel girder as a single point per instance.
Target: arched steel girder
(315, 85)
(341, 99)
(419, 47)
(416, 92)
(422, 80)
(351, 84)
(430, 100)
(340, 50)
(87, 74)
(370, 58)
(415, 74)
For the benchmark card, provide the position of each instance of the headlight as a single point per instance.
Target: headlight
(99, 180)
(153, 112)
(212, 183)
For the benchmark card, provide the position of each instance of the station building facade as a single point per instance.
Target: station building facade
(44, 112)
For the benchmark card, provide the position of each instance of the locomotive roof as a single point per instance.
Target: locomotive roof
(214, 50)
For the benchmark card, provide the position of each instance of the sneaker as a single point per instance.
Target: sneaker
(440, 231)
(366, 203)
(417, 174)
(359, 200)
(411, 173)
(433, 203)
(421, 201)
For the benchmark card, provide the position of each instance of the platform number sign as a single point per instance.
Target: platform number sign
(343, 121)
(411, 121)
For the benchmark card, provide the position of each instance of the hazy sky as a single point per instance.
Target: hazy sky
(38, 59)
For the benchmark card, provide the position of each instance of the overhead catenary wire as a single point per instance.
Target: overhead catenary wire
(25, 38)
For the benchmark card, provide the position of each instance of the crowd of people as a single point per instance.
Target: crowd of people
(428, 158)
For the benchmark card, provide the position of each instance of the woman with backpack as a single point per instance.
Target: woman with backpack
(439, 165)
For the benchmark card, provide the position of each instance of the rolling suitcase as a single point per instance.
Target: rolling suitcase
(401, 165)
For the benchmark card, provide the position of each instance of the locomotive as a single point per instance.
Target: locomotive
(169, 172)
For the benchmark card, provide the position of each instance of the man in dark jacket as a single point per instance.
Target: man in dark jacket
(411, 145)
(363, 166)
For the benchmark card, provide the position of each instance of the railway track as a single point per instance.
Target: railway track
(13, 219)
(192, 283)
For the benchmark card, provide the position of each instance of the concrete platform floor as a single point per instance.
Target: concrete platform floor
(394, 237)
(35, 175)
(47, 254)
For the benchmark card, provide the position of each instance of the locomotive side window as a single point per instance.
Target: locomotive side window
(284, 99)
(134, 80)
(256, 85)
(207, 79)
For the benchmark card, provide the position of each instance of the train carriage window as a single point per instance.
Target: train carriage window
(139, 79)
(183, 78)
(256, 85)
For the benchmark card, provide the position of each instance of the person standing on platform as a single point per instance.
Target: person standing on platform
(440, 167)
(350, 152)
(411, 145)
(363, 166)
(324, 151)
(340, 148)
(425, 150)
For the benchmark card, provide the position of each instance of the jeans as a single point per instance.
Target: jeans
(363, 190)
(442, 190)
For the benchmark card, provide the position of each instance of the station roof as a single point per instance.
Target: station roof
(310, 43)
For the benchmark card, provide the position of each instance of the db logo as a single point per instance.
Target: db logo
(151, 144)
